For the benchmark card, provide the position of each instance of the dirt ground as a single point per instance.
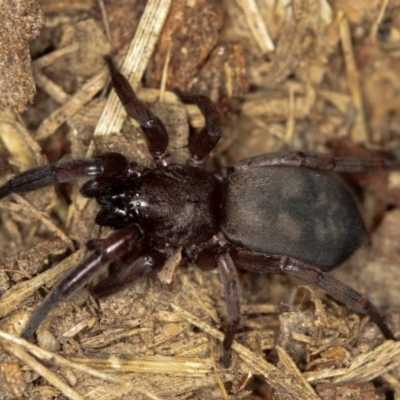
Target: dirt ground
(304, 75)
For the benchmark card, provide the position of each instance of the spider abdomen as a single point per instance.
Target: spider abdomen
(297, 212)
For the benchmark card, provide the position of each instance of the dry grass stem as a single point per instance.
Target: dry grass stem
(257, 25)
(282, 380)
(360, 131)
(76, 102)
(47, 374)
(18, 345)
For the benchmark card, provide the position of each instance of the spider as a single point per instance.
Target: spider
(278, 213)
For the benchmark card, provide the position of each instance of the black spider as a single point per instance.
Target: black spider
(275, 213)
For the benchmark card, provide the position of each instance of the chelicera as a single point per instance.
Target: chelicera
(277, 213)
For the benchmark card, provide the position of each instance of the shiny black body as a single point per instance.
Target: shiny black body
(276, 213)
(188, 214)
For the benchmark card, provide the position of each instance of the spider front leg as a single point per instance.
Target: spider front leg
(64, 171)
(154, 130)
(111, 249)
(51, 174)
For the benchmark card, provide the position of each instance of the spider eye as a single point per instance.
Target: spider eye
(137, 207)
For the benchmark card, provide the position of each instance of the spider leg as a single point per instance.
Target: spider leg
(202, 142)
(51, 174)
(65, 171)
(339, 291)
(111, 249)
(213, 256)
(322, 162)
(154, 130)
(130, 274)
(230, 281)
(276, 264)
